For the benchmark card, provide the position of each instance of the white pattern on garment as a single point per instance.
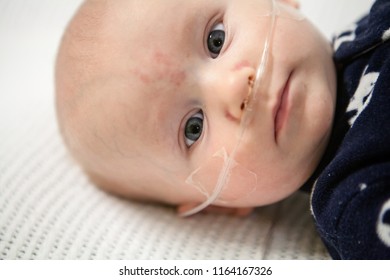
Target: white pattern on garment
(362, 95)
(383, 228)
(348, 37)
(386, 35)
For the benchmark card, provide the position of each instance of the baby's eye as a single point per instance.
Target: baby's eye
(216, 39)
(193, 128)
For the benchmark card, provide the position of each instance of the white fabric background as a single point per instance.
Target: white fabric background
(48, 209)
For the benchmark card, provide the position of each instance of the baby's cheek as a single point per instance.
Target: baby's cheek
(228, 187)
(242, 183)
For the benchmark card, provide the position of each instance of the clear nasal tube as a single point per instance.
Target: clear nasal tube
(227, 172)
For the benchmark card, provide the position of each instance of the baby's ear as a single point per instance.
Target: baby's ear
(293, 3)
(240, 212)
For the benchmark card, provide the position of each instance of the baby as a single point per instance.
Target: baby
(151, 96)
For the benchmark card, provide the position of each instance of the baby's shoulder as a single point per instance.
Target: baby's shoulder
(364, 35)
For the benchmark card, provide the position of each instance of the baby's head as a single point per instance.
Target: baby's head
(151, 95)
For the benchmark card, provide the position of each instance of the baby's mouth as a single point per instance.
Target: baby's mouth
(280, 110)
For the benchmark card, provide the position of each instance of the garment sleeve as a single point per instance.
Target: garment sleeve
(357, 225)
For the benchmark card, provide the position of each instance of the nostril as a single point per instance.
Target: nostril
(251, 81)
(246, 100)
(244, 103)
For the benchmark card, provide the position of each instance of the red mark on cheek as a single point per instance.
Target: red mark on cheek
(168, 69)
(142, 76)
(177, 78)
(240, 65)
(162, 58)
(160, 69)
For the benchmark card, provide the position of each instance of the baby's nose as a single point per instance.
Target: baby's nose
(236, 92)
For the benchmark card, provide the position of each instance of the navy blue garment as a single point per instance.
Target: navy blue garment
(351, 189)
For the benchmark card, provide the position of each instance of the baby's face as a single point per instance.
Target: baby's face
(166, 88)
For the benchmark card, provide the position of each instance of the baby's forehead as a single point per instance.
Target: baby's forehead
(131, 77)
